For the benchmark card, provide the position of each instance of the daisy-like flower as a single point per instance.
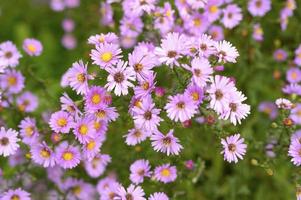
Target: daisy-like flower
(136, 136)
(78, 77)
(220, 91)
(206, 46)
(268, 108)
(97, 165)
(195, 93)
(201, 71)
(27, 102)
(105, 55)
(259, 7)
(197, 4)
(119, 78)
(296, 114)
(172, 48)
(146, 85)
(28, 130)
(12, 81)
(43, 155)
(92, 148)
(146, 115)
(284, 104)
(232, 16)
(280, 55)
(9, 55)
(293, 75)
(132, 192)
(292, 88)
(216, 32)
(212, 10)
(294, 152)
(67, 104)
(297, 59)
(139, 169)
(8, 142)
(257, 32)
(226, 52)
(158, 196)
(95, 98)
(61, 121)
(168, 143)
(78, 189)
(165, 173)
(17, 194)
(180, 107)
(234, 148)
(67, 156)
(105, 113)
(32, 47)
(84, 130)
(103, 38)
(236, 110)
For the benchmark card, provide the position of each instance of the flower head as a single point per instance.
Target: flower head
(234, 148)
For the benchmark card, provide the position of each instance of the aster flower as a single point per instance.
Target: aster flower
(280, 55)
(28, 130)
(27, 102)
(236, 110)
(294, 152)
(131, 26)
(67, 104)
(147, 116)
(68, 25)
(216, 32)
(197, 4)
(297, 59)
(284, 103)
(212, 10)
(206, 46)
(268, 108)
(91, 148)
(32, 47)
(180, 107)
(103, 38)
(95, 98)
(106, 182)
(196, 24)
(146, 85)
(17, 194)
(132, 192)
(158, 196)
(259, 7)
(257, 32)
(296, 114)
(165, 173)
(292, 88)
(234, 148)
(220, 92)
(97, 165)
(78, 77)
(293, 75)
(9, 55)
(168, 143)
(12, 81)
(84, 130)
(104, 113)
(201, 71)
(136, 136)
(105, 55)
(61, 121)
(232, 16)
(139, 169)
(67, 156)
(8, 142)
(226, 52)
(172, 48)
(195, 93)
(119, 78)
(43, 155)
(78, 189)
(69, 41)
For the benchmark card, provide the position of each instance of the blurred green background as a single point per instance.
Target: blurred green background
(263, 179)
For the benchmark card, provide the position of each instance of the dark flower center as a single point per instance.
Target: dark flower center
(4, 141)
(137, 133)
(233, 107)
(232, 147)
(129, 197)
(258, 4)
(230, 15)
(138, 67)
(8, 54)
(181, 105)
(218, 94)
(118, 77)
(141, 172)
(172, 54)
(148, 115)
(167, 141)
(197, 72)
(203, 47)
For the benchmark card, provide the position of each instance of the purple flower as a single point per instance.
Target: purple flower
(29, 131)
(293, 75)
(68, 105)
(92, 148)
(106, 14)
(61, 121)
(294, 152)
(67, 156)
(27, 102)
(280, 55)
(131, 26)
(146, 86)
(95, 98)
(297, 59)
(69, 41)
(97, 165)
(84, 130)
(147, 116)
(68, 25)
(103, 38)
(180, 107)
(132, 192)
(139, 169)
(259, 7)
(283, 103)
(43, 155)
(9, 55)
(136, 136)
(292, 89)
(216, 32)
(104, 113)
(165, 173)
(17, 194)
(12, 81)
(296, 114)
(168, 143)
(195, 93)
(269, 108)
(197, 24)
(32, 47)
(8, 142)
(105, 55)
(257, 32)
(226, 52)
(158, 196)
(234, 148)
(212, 10)
(119, 78)
(232, 16)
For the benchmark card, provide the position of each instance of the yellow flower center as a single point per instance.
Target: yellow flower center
(81, 77)
(91, 145)
(195, 96)
(138, 103)
(97, 125)
(62, 122)
(294, 75)
(213, 9)
(299, 55)
(259, 31)
(145, 85)
(31, 48)
(165, 172)
(197, 22)
(45, 153)
(29, 131)
(106, 57)
(83, 129)
(67, 156)
(96, 99)
(101, 39)
(15, 197)
(11, 80)
(100, 114)
(76, 190)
